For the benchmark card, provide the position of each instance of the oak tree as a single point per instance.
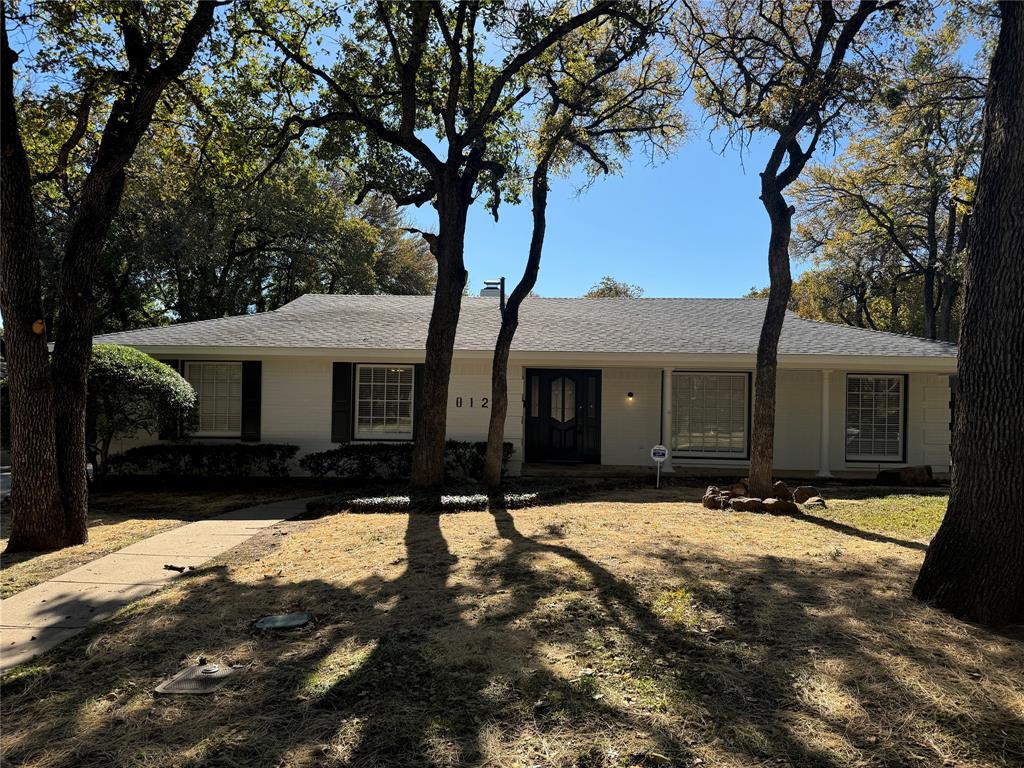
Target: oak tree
(891, 213)
(610, 288)
(791, 71)
(427, 96)
(120, 58)
(601, 93)
(974, 567)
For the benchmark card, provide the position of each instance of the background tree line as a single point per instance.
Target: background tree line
(213, 222)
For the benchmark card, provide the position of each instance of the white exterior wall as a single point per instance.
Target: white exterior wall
(296, 402)
(296, 409)
(797, 420)
(630, 428)
(469, 395)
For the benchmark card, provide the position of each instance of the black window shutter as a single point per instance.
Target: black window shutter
(170, 431)
(252, 374)
(341, 403)
(417, 398)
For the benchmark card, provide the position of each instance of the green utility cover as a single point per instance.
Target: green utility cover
(284, 621)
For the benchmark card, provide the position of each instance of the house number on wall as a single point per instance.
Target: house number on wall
(472, 402)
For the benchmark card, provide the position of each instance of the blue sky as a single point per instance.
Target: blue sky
(691, 226)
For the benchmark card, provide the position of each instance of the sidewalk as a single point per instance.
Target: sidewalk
(43, 616)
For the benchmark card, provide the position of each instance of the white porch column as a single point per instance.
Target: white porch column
(826, 411)
(666, 416)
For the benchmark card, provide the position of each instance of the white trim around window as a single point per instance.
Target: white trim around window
(710, 415)
(876, 417)
(218, 387)
(384, 402)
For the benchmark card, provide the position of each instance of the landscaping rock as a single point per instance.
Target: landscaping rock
(804, 492)
(712, 497)
(781, 491)
(740, 488)
(815, 501)
(746, 504)
(781, 507)
(921, 475)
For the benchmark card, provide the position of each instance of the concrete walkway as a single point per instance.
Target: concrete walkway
(37, 619)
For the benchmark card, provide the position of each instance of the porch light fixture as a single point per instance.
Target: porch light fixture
(629, 396)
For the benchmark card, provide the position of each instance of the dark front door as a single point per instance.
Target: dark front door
(563, 415)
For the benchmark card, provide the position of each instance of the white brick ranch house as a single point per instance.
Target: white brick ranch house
(594, 381)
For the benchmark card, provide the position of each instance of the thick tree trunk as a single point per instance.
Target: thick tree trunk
(38, 519)
(101, 198)
(129, 119)
(975, 564)
(509, 324)
(762, 441)
(428, 454)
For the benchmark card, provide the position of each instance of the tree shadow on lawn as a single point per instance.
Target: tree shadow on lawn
(431, 668)
(375, 683)
(841, 656)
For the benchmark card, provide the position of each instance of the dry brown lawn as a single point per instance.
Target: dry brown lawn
(117, 519)
(632, 629)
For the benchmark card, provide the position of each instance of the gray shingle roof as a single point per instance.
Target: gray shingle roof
(672, 326)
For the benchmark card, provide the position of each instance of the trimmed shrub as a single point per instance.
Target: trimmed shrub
(390, 461)
(204, 460)
(130, 392)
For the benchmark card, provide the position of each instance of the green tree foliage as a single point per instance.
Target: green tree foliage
(795, 72)
(885, 223)
(101, 63)
(130, 392)
(215, 218)
(188, 246)
(428, 97)
(603, 96)
(610, 288)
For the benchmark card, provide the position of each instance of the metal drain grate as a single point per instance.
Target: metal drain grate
(284, 621)
(196, 680)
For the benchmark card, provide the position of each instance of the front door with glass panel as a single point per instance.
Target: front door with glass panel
(563, 415)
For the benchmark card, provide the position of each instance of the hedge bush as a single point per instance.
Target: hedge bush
(204, 460)
(129, 393)
(390, 461)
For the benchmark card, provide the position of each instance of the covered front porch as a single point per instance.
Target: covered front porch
(830, 422)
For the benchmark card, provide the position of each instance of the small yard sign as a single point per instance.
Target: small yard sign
(659, 453)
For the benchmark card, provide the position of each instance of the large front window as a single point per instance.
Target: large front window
(218, 389)
(874, 417)
(384, 402)
(709, 414)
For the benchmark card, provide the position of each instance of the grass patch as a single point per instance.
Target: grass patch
(634, 628)
(917, 515)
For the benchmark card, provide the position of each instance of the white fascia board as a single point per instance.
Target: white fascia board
(880, 363)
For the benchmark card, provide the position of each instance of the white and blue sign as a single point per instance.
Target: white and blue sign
(659, 453)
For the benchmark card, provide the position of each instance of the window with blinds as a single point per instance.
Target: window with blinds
(709, 414)
(218, 389)
(874, 417)
(384, 402)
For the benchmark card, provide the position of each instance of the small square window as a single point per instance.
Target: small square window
(384, 403)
